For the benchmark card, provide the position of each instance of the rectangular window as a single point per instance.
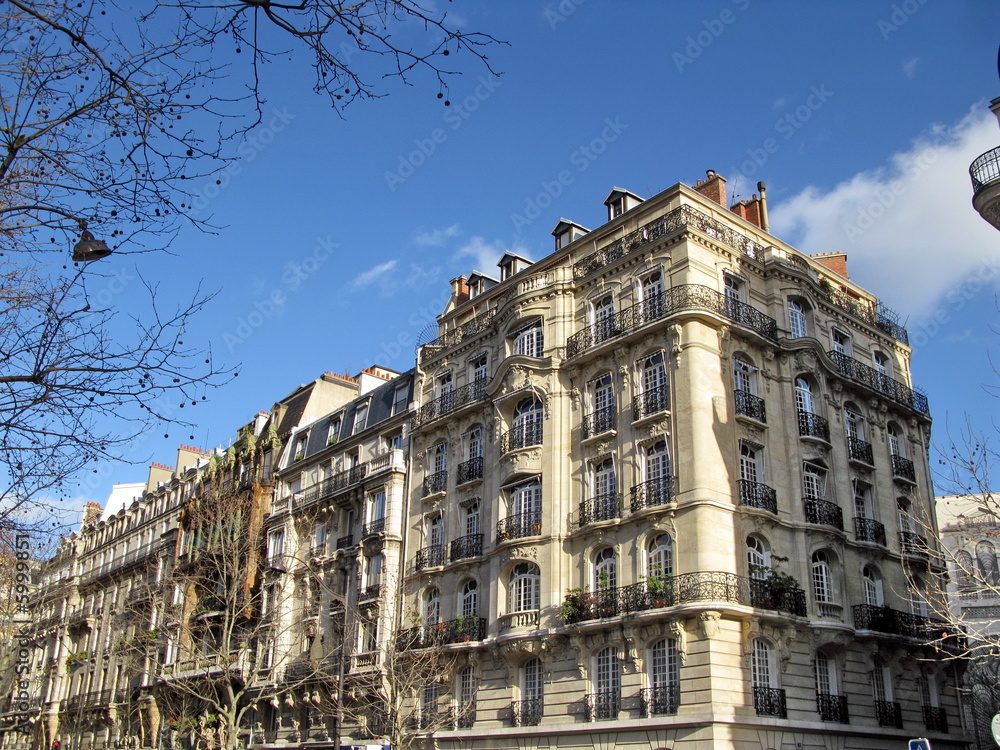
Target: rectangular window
(479, 368)
(360, 418)
(399, 399)
(813, 481)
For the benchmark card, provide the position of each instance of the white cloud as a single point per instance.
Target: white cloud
(377, 273)
(437, 237)
(908, 227)
(486, 254)
(910, 67)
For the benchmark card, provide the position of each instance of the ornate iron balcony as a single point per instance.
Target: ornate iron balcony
(460, 333)
(871, 378)
(903, 468)
(521, 436)
(345, 542)
(869, 530)
(430, 557)
(824, 512)
(673, 300)
(373, 527)
(985, 170)
(601, 508)
(769, 701)
(436, 482)
(912, 543)
(757, 495)
(935, 719)
(470, 545)
(526, 713)
(370, 592)
(519, 526)
(330, 486)
(459, 630)
(888, 714)
(813, 425)
(860, 450)
(679, 218)
(895, 622)
(750, 405)
(449, 402)
(651, 402)
(832, 708)
(603, 705)
(653, 492)
(660, 701)
(599, 421)
(765, 594)
(470, 470)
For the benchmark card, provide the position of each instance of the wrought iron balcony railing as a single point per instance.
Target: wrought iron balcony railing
(459, 630)
(521, 436)
(749, 405)
(470, 470)
(526, 713)
(436, 482)
(912, 543)
(370, 592)
(679, 218)
(373, 527)
(601, 508)
(888, 714)
(345, 542)
(603, 705)
(652, 401)
(670, 301)
(985, 170)
(860, 450)
(321, 490)
(769, 701)
(429, 557)
(875, 314)
(519, 526)
(460, 333)
(653, 492)
(869, 530)
(832, 708)
(470, 545)
(903, 468)
(667, 591)
(896, 622)
(449, 402)
(813, 425)
(757, 495)
(662, 700)
(935, 718)
(824, 512)
(879, 382)
(599, 421)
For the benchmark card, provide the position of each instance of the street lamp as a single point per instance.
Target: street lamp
(88, 248)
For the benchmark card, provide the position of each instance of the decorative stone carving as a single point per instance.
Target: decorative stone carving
(709, 621)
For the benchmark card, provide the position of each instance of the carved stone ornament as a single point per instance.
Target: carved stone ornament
(658, 429)
(805, 361)
(752, 433)
(678, 632)
(709, 621)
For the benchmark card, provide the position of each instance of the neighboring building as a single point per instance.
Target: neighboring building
(672, 475)
(970, 537)
(985, 173)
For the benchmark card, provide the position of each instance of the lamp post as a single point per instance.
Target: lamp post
(88, 248)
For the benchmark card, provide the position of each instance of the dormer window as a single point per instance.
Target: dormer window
(511, 264)
(480, 283)
(567, 232)
(619, 201)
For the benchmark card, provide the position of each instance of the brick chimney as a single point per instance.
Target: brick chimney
(836, 262)
(749, 210)
(713, 187)
(91, 513)
(460, 289)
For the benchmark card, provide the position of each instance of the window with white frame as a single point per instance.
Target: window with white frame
(660, 556)
(435, 530)
(664, 668)
(466, 692)
(929, 694)
(608, 671)
(369, 632)
(472, 519)
(813, 481)
(440, 458)
(479, 368)
(881, 362)
(862, 499)
(652, 296)
(474, 443)
(373, 575)
(872, 581)
(751, 462)
(526, 499)
(826, 675)
(524, 591)
(658, 462)
(895, 438)
(470, 599)
(360, 418)
(744, 375)
(532, 686)
(734, 289)
(527, 427)
(604, 317)
(841, 342)
(603, 393)
(605, 570)
(763, 668)
(655, 394)
(854, 423)
(804, 401)
(822, 578)
(276, 546)
(432, 607)
(605, 481)
(796, 320)
(881, 681)
(528, 340)
(758, 557)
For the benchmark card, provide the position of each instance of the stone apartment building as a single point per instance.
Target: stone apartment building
(673, 479)
(666, 487)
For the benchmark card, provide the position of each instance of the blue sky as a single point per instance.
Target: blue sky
(339, 236)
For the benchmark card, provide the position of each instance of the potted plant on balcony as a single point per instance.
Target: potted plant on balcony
(464, 627)
(659, 589)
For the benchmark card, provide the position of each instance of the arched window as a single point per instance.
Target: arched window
(602, 415)
(470, 599)
(882, 366)
(796, 319)
(854, 423)
(432, 607)
(804, 396)
(664, 678)
(605, 570)
(528, 339)
(525, 581)
(604, 318)
(440, 458)
(655, 394)
(822, 581)
(472, 519)
(526, 501)
(527, 427)
(652, 296)
(986, 556)
(605, 480)
(751, 468)
(874, 593)
(660, 556)
(657, 462)
(758, 557)
(744, 375)
(965, 574)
